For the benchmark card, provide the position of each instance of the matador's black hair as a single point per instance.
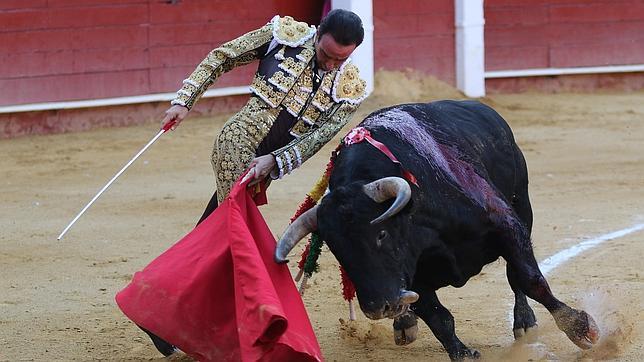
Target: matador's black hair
(344, 26)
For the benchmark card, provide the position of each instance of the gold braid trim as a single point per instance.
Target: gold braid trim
(229, 55)
(306, 146)
(348, 85)
(293, 78)
(290, 32)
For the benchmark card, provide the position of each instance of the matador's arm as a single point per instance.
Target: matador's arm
(240, 51)
(301, 149)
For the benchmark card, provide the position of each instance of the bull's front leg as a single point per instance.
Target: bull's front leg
(578, 325)
(524, 319)
(405, 328)
(441, 322)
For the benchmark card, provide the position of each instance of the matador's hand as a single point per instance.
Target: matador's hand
(176, 113)
(260, 168)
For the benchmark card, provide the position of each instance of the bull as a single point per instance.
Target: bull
(456, 200)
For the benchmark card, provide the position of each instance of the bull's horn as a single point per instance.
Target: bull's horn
(408, 297)
(301, 227)
(385, 189)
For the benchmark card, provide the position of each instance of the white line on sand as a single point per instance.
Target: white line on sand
(554, 261)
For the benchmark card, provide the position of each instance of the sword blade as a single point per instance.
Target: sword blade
(165, 128)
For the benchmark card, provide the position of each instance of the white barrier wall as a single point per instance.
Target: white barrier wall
(363, 56)
(470, 49)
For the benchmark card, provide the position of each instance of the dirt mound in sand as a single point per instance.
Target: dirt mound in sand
(393, 87)
(364, 331)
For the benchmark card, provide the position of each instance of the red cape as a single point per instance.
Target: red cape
(218, 295)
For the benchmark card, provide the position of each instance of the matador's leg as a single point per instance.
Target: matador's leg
(231, 156)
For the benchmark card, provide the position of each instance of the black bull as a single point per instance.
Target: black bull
(470, 206)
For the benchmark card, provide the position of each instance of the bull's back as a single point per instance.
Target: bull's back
(484, 137)
(461, 140)
(472, 127)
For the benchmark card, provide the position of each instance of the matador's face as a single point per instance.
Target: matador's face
(330, 54)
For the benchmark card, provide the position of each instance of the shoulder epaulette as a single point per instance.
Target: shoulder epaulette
(348, 86)
(288, 31)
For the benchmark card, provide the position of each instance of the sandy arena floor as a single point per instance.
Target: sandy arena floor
(585, 153)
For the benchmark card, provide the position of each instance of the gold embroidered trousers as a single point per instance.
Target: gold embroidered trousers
(237, 143)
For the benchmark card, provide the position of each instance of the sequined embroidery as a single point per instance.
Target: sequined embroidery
(280, 54)
(237, 142)
(292, 67)
(306, 55)
(290, 32)
(281, 81)
(348, 86)
(260, 88)
(317, 136)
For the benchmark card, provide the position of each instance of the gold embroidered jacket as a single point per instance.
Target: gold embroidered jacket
(284, 79)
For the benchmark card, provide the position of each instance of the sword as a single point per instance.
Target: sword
(163, 130)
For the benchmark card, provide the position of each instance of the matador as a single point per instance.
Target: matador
(304, 91)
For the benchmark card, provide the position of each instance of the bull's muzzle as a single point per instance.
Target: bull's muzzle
(389, 309)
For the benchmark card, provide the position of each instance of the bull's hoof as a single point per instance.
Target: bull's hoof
(405, 336)
(465, 353)
(579, 326)
(528, 334)
(405, 328)
(525, 323)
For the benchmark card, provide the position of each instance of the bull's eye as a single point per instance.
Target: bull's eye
(381, 236)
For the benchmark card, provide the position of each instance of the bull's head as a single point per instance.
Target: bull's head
(368, 235)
